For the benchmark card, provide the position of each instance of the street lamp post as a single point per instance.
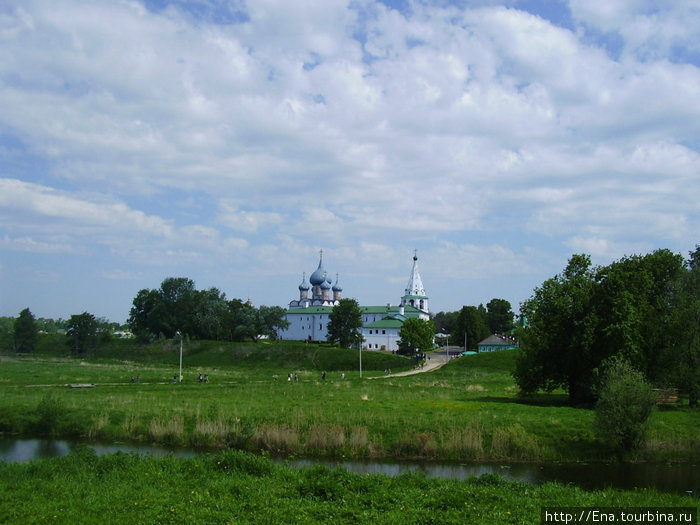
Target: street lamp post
(447, 344)
(179, 377)
(359, 347)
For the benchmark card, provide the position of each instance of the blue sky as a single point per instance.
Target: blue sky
(230, 141)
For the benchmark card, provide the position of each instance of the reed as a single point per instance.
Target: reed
(514, 442)
(168, 430)
(465, 443)
(280, 439)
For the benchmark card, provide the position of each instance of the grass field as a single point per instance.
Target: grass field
(468, 409)
(238, 487)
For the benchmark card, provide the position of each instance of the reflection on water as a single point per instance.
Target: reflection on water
(21, 450)
(676, 477)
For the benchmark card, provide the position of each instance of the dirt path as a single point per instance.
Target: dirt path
(436, 361)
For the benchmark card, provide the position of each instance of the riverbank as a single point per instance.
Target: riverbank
(675, 478)
(243, 488)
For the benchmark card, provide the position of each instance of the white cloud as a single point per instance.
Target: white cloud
(254, 142)
(35, 204)
(650, 30)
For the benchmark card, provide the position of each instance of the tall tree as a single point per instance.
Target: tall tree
(210, 314)
(685, 357)
(177, 306)
(470, 326)
(634, 313)
(143, 320)
(271, 319)
(25, 332)
(445, 321)
(499, 316)
(558, 345)
(82, 335)
(345, 323)
(416, 335)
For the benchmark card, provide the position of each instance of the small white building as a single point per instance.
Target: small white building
(309, 315)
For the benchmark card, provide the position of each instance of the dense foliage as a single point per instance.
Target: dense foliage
(345, 323)
(25, 332)
(643, 309)
(178, 307)
(82, 333)
(416, 335)
(624, 405)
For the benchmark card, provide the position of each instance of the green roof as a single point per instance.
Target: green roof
(387, 322)
(387, 309)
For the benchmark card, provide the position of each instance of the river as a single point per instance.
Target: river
(666, 477)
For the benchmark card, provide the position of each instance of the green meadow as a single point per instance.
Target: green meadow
(467, 410)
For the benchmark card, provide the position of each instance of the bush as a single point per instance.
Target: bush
(49, 413)
(624, 405)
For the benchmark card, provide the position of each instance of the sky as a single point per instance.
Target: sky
(230, 141)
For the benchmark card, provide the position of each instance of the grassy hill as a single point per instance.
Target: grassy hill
(263, 355)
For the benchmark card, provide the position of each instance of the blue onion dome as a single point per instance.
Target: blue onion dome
(303, 286)
(319, 275)
(325, 285)
(336, 286)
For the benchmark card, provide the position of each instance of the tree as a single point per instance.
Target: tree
(82, 333)
(445, 321)
(176, 309)
(345, 323)
(638, 308)
(210, 314)
(685, 354)
(25, 332)
(624, 405)
(272, 319)
(557, 347)
(470, 325)
(499, 316)
(143, 317)
(416, 335)
(633, 305)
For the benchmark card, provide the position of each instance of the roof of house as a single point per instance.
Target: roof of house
(496, 339)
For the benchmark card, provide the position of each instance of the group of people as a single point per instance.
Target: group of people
(293, 377)
(200, 378)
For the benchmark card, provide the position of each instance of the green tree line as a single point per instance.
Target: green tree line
(475, 323)
(642, 309)
(178, 307)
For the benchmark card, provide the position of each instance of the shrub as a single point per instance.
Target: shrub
(624, 405)
(49, 412)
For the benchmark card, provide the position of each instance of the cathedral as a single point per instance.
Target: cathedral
(309, 315)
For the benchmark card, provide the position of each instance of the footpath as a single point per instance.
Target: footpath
(436, 361)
